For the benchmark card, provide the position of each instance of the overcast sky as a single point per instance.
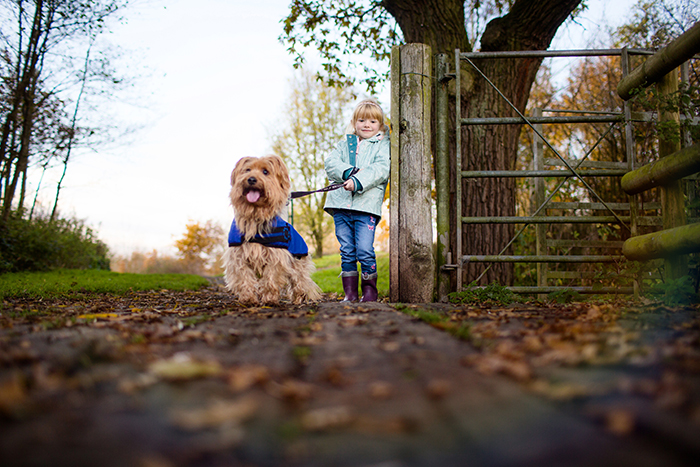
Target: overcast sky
(218, 79)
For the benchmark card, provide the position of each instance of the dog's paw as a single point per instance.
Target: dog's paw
(270, 299)
(312, 294)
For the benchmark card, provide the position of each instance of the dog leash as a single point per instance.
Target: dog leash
(334, 186)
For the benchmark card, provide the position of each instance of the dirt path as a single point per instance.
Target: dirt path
(192, 379)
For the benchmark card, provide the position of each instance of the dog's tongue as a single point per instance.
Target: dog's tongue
(252, 196)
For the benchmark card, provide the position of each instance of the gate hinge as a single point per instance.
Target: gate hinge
(449, 267)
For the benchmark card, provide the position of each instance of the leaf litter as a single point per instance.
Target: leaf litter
(223, 374)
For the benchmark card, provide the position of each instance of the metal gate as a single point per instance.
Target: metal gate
(451, 258)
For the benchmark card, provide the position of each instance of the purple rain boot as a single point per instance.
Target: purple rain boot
(369, 288)
(350, 280)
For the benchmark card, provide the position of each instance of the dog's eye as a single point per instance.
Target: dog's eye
(247, 170)
(265, 172)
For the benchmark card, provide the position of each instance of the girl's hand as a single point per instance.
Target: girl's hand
(349, 185)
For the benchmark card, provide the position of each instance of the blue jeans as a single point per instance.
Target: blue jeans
(355, 232)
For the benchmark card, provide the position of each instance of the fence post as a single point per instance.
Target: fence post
(672, 202)
(394, 284)
(413, 280)
(442, 177)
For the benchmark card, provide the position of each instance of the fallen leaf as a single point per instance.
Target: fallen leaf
(182, 367)
(381, 390)
(390, 347)
(394, 425)
(98, 316)
(560, 391)
(132, 385)
(308, 340)
(593, 312)
(291, 390)
(155, 461)
(349, 321)
(218, 413)
(438, 388)
(247, 376)
(493, 364)
(620, 421)
(335, 376)
(326, 418)
(12, 395)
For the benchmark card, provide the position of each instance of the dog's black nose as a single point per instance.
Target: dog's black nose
(252, 181)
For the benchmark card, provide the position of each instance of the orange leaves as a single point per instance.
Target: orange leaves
(517, 343)
(201, 246)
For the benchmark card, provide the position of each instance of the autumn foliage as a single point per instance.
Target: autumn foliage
(199, 249)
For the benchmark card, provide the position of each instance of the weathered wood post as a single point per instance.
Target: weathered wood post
(412, 261)
(672, 197)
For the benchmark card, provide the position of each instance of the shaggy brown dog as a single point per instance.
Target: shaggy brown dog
(267, 259)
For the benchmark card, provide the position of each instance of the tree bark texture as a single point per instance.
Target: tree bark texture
(530, 25)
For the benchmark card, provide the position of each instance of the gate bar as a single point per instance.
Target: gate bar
(542, 173)
(542, 258)
(593, 290)
(553, 120)
(554, 53)
(549, 145)
(546, 220)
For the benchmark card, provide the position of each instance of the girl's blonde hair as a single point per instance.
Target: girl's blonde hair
(368, 109)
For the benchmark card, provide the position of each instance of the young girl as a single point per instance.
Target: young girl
(361, 161)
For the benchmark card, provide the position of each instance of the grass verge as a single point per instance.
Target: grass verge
(65, 282)
(328, 270)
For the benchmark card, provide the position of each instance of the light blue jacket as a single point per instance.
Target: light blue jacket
(373, 161)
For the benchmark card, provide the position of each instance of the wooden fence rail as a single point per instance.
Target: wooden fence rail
(676, 239)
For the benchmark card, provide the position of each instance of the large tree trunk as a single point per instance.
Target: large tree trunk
(530, 25)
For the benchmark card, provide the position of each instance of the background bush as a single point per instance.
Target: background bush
(43, 245)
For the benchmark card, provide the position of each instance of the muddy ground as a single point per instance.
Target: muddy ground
(166, 379)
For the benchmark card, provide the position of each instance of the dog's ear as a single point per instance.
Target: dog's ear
(239, 165)
(281, 171)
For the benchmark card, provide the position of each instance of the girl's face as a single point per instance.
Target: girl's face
(366, 127)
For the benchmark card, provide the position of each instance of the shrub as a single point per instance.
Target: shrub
(678, 292)
(492, 294)
(42, 245)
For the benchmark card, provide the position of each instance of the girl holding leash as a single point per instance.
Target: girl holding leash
(361, 163)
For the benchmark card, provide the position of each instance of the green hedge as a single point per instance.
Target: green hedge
(43, 245)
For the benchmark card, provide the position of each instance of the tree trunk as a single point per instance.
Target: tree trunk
(24, 105)
(530, 25)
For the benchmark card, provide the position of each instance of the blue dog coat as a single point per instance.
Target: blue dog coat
(282, 235)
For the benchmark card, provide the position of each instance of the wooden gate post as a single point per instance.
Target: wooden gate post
(672, 200)
(411, 228)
